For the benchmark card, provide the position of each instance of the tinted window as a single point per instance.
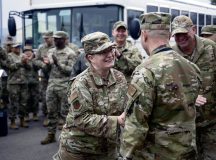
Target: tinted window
(208, 19)
(86, 20)
(164, 9)
(201, 19)
(174, 13)
(152, 8)
(193, 17)
(214, 20)
(186, 13)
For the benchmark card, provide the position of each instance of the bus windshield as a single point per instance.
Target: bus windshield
(76, 21)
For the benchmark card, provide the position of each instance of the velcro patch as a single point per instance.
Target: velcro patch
(132, 90)
(73, 96)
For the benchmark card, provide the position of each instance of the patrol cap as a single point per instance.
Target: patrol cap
(96, 43)
(209, 29)
(47, 34)
(16, 45)
(27, 48)
(9, 40)
(155, 21)
(60, 34)
(119, 24)
(181, 24)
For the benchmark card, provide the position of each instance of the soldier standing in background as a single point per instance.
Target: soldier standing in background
(128, 56)
(74, 47)
(209, 32)
(33, 84)
(202, 52)
(96, 105)
(60, 61)
(160, 112)
(17, 86)
(42, 53)
(8, 44)
(3, 61)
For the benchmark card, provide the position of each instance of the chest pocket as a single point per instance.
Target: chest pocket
(106, 101)
(100, 100)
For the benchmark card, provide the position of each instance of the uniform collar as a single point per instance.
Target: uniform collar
(99, 81)
(161, 48)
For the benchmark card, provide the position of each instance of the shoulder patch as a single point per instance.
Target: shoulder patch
(131, 90)
(76, 104)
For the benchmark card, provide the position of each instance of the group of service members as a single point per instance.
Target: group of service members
(119, 106)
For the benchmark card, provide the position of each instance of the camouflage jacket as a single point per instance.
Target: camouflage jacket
(32, 73)
(205, 58)
(3, 59)
(60, 72)
(91, 124)
(74, 47)
(160, 121)
(17, 69)
(80, 65)
(38, 61)
(130, 59)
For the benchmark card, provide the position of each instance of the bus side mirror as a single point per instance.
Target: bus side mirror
(11, 26)
(134, 29)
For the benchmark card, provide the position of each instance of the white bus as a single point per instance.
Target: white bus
(80, 17)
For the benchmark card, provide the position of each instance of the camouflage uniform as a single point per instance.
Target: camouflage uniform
(17, 85)
(130, 55)
(74, 47)
(43, 73)
(91, 126)
(33, 86)
(204, 56)
(160, 121)
(3, 61)
(209, 32)
(80, 65)
(56, 95)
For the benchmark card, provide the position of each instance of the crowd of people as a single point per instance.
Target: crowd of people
(109, 102)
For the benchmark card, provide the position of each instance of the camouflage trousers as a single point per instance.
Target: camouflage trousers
(43, 87)
(57, 106)
(206, 143)
(5, 94)
(18, 96)
(63, 154)
(33, 98)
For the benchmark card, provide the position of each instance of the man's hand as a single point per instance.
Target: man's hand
(55, 61)
(121, 119)
(200, 101)
(46, 60)
(24, 59)
(117, 53)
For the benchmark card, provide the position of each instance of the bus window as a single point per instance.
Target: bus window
(86, 20)
(214, 20)
(65, 21)
(164, 9)
(28, 27)
(131, 14)
(208, 19)
(175, 13)
(186, 13)
(201, 22)
(151, 8)
(193, 17)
